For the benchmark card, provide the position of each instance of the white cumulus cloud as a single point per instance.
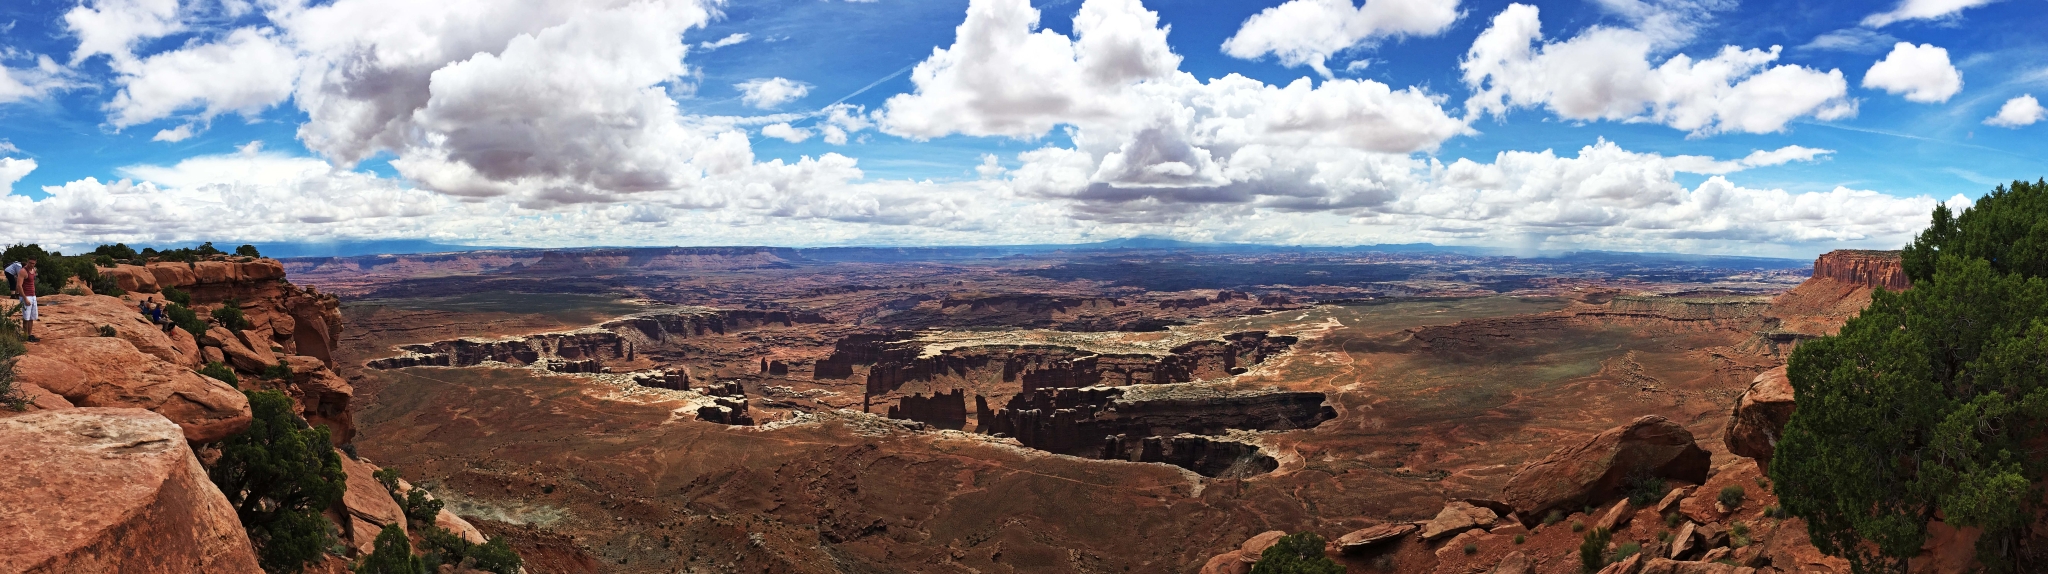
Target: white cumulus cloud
(2020, 111)
(1921, 10)
(771, 93)
(12, 170)
(783, 131)
(1606, 74)
(1922, 73)
(113, 27)
(246, 72)
(1308, 32)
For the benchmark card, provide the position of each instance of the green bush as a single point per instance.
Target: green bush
(221, 372)
(175, 295)
(1672, 519)
(1928, 402)
(496, 556)
(184, 318)
(419, 509)
(11, 348)
(280, 371)
(391, 554)
(106, 285)
(1520, 539)
(1624, 551)
(1738, 535)
(119, 251)
(279, 475)
(1578, 526)
(1644, 489)
(230, 315)
(1731, 496)
(1554, 517)
(247, 251)
(1298, 553)
(1593, 550)
(108, 331)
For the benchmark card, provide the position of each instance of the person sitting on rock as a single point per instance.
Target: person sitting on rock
(27, 292)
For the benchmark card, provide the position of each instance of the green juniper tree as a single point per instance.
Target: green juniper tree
(279, 475)
(1934, 400)
(1298, 553)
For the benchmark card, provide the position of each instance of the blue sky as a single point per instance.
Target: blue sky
(1610, 124)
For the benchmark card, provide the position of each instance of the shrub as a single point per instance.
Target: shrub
(220, 372)
(1578, 526)
(1643, 488)
(108, 331)
(279, 474)
(279, 371)
(389, 478)
(1672, 519)
(103, 261)
(184, 318)
(175, 295)
(1520, 539)
(1926, 402)
(11, 348)
(1554, 517)
(1624, 551)
(106, 285)
(1731, 496)
(496, 556)
(418, 508)
(230, 315)
(119, 251)
(1738, 535)
(1471, 549)
(392, 555)
(1298, 553)
(1593, 550)
(247, 251)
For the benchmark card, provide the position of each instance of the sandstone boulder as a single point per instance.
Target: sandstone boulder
(110, 372)
(237, 353)
(172, 275)
(1456, 517)
(99, 490)
(1790, 549)
(69, 316)
(1240, 561)
(452, 523)
(1595, 470)
(1456, 545)
(1616, 516)
(1630, 565)
(1685, 540)
(323, 396)
(1668, 566)
(1369, 537)
(1760, 417)
(1670, 502)
(1514, 563)
(367, 505)
(132, 278)
(188, 348)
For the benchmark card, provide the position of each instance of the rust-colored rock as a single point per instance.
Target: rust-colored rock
(1616, 516)
(1457, 516)
(1685, 540)
(452, 523)
(1668, 566)
(133, 278)
(110, 372)
(1369, 537)
(1631, 565)
(1760, 417)
(1594, 471)
(70, 316)
(1671, 500)
(1514, 563)
(1873, 268)
(100, 490)
(367, 505)
(1240, 561)
(238, 354)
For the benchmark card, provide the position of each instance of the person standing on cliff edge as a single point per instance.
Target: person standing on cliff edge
(27, 293)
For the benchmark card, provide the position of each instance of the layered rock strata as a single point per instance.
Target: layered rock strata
(1173, 426)
(946, 411)
(895, 362)
(1882, 269)
(111, 490)
(615, 340)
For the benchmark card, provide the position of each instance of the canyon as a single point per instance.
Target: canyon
(973, 409)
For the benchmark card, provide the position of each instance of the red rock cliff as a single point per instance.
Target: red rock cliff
(1860, 267)
(111, 490)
